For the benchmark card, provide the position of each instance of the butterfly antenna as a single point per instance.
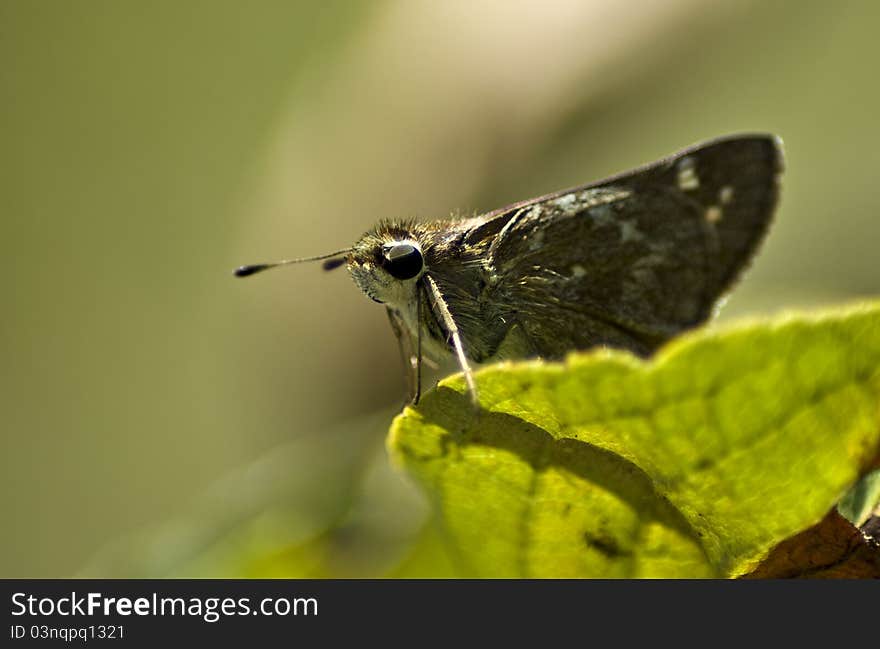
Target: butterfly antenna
(335, 259)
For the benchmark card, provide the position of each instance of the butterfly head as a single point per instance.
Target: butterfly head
(386, 263)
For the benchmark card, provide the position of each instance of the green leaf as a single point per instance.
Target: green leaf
(694, 464)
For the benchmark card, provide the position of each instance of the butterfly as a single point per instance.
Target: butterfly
(627, 262)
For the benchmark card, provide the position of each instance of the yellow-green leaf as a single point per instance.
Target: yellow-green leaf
(694, 464)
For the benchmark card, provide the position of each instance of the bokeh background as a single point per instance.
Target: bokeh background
(160, 418)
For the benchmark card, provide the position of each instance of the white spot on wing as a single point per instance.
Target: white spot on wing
(629, 232)
(578, 271)
(572, 204)
(566, 203)
(687, 175)
(714, 214)
(602, 196)
(725, 195)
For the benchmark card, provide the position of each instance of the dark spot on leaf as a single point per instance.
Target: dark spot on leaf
(605, 544)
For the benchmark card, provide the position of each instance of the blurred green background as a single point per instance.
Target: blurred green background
(160, 418)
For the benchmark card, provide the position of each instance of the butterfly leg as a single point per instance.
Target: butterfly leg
(455, 338)
(416, 360)
(411, 358)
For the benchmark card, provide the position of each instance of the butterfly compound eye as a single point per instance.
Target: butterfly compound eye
(403, 260)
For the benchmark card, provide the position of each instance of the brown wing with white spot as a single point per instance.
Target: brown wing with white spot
(633, 260)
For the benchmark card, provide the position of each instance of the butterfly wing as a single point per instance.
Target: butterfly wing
(630, 261)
